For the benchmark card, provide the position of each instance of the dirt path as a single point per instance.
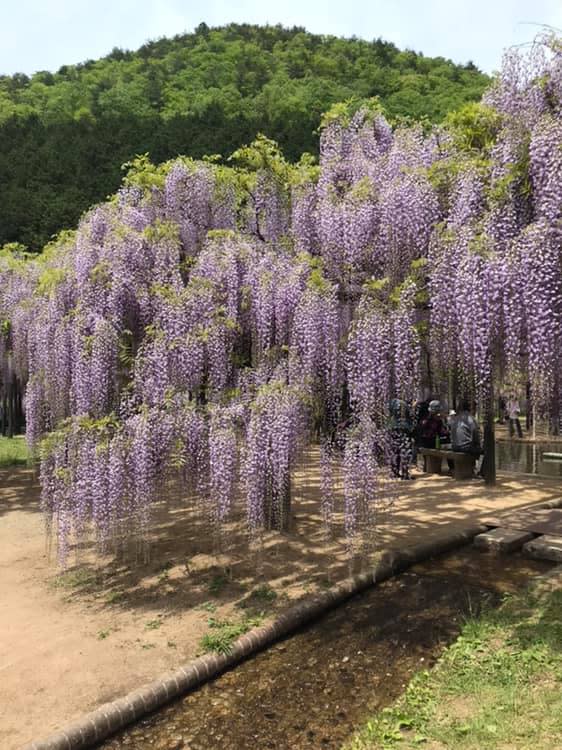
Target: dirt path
(70, 642)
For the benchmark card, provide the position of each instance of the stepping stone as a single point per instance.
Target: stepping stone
(502, 540)
(545, 548)
(538, 520)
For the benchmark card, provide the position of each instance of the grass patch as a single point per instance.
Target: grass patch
(13, 451)
(259, 598)
(78, 578)
(217, 584)
(223, 633)
(153, 624)
(164, 572)
(114, 597)
(498, 686)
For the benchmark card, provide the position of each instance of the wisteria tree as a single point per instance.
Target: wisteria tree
(211, 320)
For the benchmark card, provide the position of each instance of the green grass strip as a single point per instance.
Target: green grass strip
(223, 633)
(498, 686)
(13, 451)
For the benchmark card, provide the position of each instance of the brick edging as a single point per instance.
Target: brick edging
(109, 718)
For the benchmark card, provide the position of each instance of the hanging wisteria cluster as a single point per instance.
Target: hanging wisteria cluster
(209, 321)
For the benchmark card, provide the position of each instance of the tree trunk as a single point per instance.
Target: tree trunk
(285, 520)
(489, 461)
(11, 410)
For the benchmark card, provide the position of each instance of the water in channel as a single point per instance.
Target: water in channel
(313, 690)
(529, 458)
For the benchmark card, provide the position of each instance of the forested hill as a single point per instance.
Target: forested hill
(64, 135)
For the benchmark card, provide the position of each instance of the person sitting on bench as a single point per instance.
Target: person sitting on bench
(433, 430)
(433, 427)
(465, 432)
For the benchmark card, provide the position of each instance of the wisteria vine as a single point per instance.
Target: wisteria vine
(209, 321)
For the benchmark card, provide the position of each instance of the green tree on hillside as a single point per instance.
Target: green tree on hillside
(65, 134)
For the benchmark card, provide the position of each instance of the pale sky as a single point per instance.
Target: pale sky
(45, 34)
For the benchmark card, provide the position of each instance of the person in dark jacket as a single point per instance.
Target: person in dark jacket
(433, 427)
(401, 432)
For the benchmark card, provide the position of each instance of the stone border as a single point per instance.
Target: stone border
(112, 717)
(547, 505)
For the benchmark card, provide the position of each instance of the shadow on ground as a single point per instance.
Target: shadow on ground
(180, 566)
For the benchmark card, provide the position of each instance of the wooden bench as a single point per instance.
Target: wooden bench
(463, 463)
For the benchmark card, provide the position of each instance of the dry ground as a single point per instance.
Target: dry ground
(71, 641)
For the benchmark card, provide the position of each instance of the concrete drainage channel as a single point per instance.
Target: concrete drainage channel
(95, 727)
